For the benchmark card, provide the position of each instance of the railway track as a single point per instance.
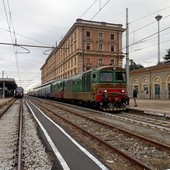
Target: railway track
(156, 121)
(10, 145)
(136, 152)
(19, 140)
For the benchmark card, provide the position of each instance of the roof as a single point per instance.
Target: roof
(9, 83)
(152, 68)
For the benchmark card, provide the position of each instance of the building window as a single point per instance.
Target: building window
(75, 36)
(100, 47)
(88, 60)
(75, 61)
(71, 48)
(71, 62)
(68, 50)
(100, 35)
(100, 62)
(68, 64)
(112, 48)
(112, 62)
(88, 34)
(88, 46)
(75, 71)
(75, 46)
(157, 87)
(112, 36)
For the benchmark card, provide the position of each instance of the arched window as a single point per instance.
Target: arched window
(136, 84)
(168, 87)
(157, 87)
(145, 88)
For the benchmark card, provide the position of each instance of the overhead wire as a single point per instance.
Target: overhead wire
(149, 46)
(149, 15)
(141, 40)
(26, 37)
(88, 8)
(148, 24)
(101, 7)
(11, 29)
(100, 10)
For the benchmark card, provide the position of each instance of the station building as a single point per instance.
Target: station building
(87, 44)
(151, 82)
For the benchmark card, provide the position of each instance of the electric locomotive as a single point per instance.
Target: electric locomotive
(103, 88)
(19, 92)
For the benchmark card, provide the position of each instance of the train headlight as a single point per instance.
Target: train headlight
(123, 91)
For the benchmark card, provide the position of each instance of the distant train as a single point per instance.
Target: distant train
(19, 92)
(103, 88)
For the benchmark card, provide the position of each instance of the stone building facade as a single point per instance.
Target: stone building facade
(151, 82)
(87, 44)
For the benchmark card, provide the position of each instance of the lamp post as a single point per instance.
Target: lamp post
(158, 18)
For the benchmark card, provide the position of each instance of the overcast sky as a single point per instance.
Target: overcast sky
(45, 22)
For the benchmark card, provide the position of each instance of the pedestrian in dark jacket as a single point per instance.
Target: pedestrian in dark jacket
(135, 94)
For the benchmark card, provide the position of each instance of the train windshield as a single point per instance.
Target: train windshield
(120, 76)
(106, 76)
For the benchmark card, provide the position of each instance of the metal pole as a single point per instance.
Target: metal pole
(158, 18)
(3, 93)
(127, 51)
(3, 88)
(150, 85)
(158, 44)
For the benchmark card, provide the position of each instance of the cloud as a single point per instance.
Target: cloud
(46, 22)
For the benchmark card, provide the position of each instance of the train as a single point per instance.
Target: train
(18, 92)
(102, 88)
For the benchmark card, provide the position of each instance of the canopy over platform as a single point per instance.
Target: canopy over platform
(7, 86)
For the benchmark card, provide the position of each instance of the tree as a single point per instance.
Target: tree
(134, 66)
(167, 56)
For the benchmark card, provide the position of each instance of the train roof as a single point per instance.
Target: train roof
(109, 67)
(48, 83)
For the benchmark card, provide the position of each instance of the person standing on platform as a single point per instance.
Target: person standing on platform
(135, 94)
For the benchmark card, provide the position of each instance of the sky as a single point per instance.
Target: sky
(43, 23)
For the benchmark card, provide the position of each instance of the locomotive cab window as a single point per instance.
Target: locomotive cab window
(106, 76)
(94, 77)
(120, 76)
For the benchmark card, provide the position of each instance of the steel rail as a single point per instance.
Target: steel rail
(20, 135)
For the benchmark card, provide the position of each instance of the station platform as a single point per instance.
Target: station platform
(158, 107)
(4, 101)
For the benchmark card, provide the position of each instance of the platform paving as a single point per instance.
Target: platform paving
(160, 107)
(4, 101)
